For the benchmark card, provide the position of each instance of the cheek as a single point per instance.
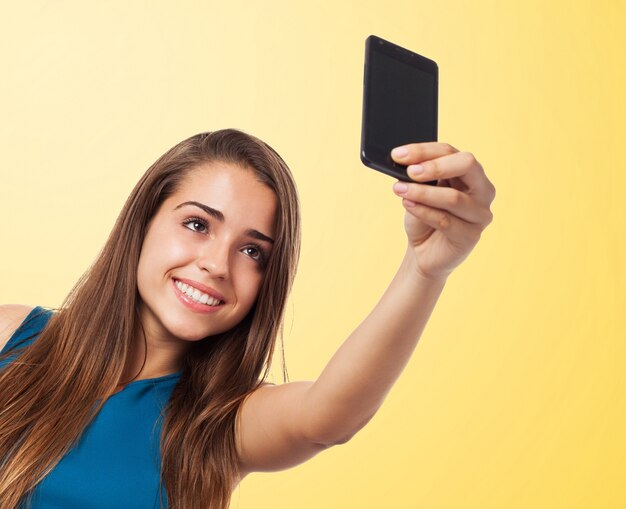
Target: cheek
(250, 288)
(145, 268)
(162, 252)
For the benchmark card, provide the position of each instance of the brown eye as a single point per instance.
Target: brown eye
(196, 224)
(255, 253)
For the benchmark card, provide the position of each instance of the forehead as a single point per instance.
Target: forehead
(233, 190)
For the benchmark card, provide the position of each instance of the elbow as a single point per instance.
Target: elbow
(345, 439)
(328, 442)
(339, 435)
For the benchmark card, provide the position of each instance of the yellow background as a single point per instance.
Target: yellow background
(515, 395)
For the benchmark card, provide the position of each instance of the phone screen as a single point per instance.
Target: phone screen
(401, 103)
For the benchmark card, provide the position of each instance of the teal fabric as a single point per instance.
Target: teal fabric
(116, 463)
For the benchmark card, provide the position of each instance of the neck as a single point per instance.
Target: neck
(152, 357)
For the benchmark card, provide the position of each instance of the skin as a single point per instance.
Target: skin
(280, 426)
(11, 315)
(219, 255)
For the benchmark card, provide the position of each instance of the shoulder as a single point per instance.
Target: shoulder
(11, 316)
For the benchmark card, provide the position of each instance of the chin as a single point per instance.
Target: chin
(186, 331)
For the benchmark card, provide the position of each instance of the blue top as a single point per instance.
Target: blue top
(117, 462)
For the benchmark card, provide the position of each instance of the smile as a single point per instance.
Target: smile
(196, 295)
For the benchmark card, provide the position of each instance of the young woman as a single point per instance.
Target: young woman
(154, 367)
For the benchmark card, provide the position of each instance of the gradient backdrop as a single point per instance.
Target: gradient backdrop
(515, 395)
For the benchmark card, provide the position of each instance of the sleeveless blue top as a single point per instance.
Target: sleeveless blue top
(117, 462)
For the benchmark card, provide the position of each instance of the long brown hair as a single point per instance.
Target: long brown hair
(45, 408)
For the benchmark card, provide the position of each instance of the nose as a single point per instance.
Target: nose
(214, 258)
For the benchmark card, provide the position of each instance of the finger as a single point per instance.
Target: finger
(459, 165)
(414, 153)
(448, 199)
(455, 229)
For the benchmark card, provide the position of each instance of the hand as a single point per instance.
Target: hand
(444, 222)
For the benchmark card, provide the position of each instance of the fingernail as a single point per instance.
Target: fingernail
(400, 152)
(399, 187)
(415, 170)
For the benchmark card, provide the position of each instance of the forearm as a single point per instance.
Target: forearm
(358, 377)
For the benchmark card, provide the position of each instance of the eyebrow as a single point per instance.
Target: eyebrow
(250, 232)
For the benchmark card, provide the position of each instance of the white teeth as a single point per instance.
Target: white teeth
(197, 295)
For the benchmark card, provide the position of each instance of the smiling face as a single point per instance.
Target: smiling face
(202, 260)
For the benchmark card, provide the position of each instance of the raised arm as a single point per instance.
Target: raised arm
(281, 426)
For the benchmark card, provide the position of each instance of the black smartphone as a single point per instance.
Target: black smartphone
(399, 104)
